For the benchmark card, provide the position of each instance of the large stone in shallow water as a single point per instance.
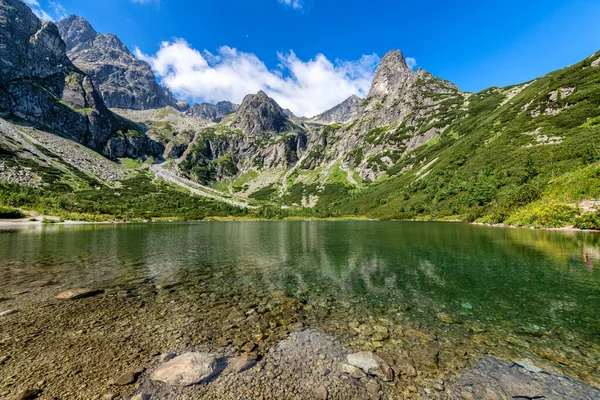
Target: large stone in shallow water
(241, 363)
(78, 294)
(186, 369)
(371, 364)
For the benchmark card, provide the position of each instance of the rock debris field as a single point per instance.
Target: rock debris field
(141, 339)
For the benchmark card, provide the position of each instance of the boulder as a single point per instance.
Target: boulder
(186, 369)
(371, 364)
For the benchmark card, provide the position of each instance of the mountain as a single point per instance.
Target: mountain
(344, 112)
(415, 147)
(123, 80)
(260, 114)
(212, 112)
(40, 85)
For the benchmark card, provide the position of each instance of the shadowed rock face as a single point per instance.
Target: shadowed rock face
(260, 114)
(212, 112)
(123, 80)
(40, 85)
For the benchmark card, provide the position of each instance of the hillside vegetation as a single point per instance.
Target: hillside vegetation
(527, 160)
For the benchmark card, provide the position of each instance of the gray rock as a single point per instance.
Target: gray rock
(186, 369)
(123, 80)
(40, 85)
(371, 364)
(260, 114)
(352, 371)
(528, 365)
(493, 378)
(141, 396)
(78, 294)
(212, 112)
(346, 111)
(126, 379)
(321, 393)
(241, 363)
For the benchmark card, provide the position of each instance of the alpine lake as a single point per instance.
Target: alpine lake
(445, 306)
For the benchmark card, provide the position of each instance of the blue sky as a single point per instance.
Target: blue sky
(475, 44)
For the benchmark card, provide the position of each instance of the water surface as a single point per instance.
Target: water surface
(535, 292)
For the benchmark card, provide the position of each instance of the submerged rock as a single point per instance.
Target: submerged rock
(186, 369)
(241, 363)
(493, 378)
(528, 365)
(321, 393)
(126, 379)
(78, 294)
(7, 312)
(371, 364)
(28, 394)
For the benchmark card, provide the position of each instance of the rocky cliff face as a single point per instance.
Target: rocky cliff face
(260, 114)
(39, 84)
(403, 111)
(212, 112)
(259, 137)
(400, 95)
(344, 112)
(123, 80)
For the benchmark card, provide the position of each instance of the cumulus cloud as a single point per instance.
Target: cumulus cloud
(305, 87)
(411, 62)
(297, 4)
(57, 10)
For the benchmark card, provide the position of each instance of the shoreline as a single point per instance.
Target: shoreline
(46, 220)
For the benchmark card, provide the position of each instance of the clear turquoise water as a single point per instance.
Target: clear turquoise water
(514, 278)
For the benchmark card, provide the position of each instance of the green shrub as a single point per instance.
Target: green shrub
(10, 213)
(588, 221)
(545, 215)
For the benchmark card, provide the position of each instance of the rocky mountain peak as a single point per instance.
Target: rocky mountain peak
(260, 114)
(344, 112)
(76, 32)
(39, 84)
(212, 112)
(123, 80)
(392, 75)
(29, 47)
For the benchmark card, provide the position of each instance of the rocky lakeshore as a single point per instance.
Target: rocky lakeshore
(201, 337)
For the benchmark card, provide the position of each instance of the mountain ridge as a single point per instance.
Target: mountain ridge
(124, 80)
(415, 147)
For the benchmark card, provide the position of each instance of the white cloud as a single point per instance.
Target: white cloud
(411, 62)
(146, 1)
(305, 87)
(58, 11)
(297, 4)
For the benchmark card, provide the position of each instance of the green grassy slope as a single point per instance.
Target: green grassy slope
(502, 157)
